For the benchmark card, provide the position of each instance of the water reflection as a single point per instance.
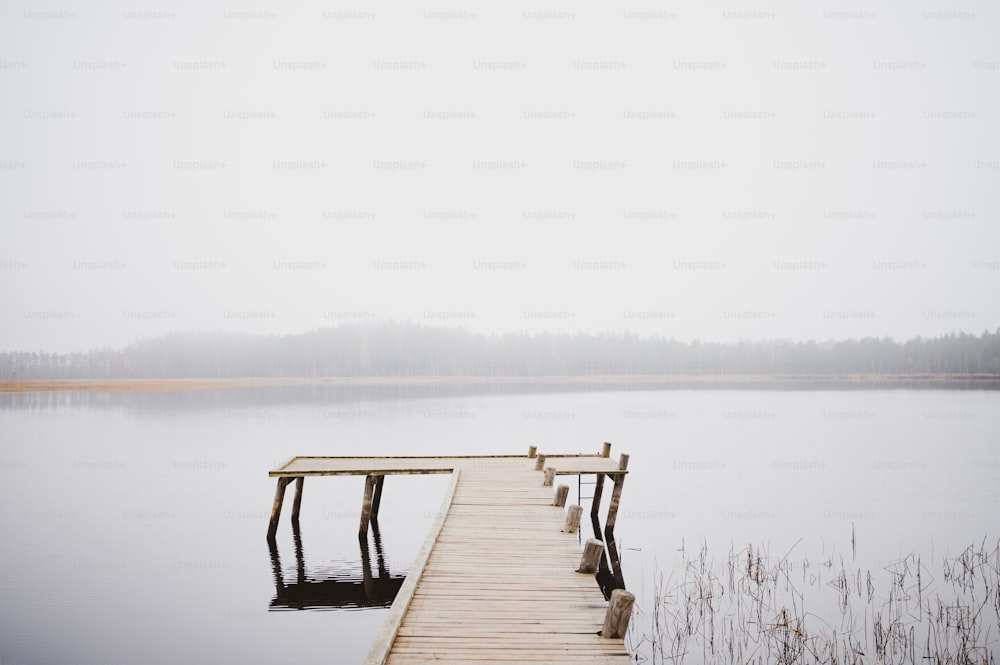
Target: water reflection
(383, 389)
(609, 569)
(168, 401)
(355, 587)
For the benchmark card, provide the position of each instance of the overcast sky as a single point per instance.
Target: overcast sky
(696, 169)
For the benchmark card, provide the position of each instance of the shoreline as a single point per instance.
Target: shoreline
(611, 382)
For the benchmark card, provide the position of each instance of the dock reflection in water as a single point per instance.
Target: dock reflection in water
(609, 571)
(354, 587)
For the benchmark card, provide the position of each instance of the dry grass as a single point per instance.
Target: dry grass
(751, 608)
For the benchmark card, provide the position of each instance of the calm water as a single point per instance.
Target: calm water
(133, 525)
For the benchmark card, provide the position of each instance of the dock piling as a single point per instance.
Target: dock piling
(539, 462)
(616, 495)
(550, 475)
(366, 506)
(573, 519)
(619, 614)
(591, 557)
(532, 451)
(279, 498)
(377, 498)
(595, 505)
(297, 502)
(562, 493)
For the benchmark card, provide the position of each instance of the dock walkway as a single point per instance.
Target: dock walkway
(496, 580)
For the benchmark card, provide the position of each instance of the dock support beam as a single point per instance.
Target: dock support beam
(377, 498)
(366, 506)
(595, 505)
(279, 498)
(297, 502)
(616, 496)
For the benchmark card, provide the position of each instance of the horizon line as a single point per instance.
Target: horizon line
(486, 335)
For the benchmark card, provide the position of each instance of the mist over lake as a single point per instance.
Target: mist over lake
(134, 524)
(757, 249)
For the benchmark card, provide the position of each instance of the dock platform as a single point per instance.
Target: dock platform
(497, 579)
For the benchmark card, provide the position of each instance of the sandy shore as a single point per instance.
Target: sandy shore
(776, 381)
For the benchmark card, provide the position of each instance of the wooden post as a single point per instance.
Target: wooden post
(539, 462)
(573, 519)
(366, 506)
(532, 451)
(595, 505)
(550, 474)
(595, 523)
(562, 492)
(279, 498)
(377, 498)
(606, 449)
(591, 556)
(616, 495)
(618, 615)
(297, 502)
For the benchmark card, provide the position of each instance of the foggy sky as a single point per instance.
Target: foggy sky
(700, 170)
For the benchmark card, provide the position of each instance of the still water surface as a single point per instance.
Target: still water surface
(133, 524)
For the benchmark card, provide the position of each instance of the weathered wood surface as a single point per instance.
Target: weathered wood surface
(279, 498)
(572, 519)
(362, 466)
(619, 612)
(500, 584)
(297, 503)
(591, 557)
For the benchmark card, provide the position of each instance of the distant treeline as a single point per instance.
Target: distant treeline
(398, 350)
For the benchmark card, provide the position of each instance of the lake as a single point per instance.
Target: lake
(134, 523)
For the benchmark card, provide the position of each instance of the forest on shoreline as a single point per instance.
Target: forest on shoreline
(403, 350)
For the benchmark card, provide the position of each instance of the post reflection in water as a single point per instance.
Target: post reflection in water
(351, 590)
(609, 570)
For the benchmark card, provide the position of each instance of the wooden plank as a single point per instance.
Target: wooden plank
(501, 584)
(379, 651)
(332, 466)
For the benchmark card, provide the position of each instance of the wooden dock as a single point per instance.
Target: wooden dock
(496, 580)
